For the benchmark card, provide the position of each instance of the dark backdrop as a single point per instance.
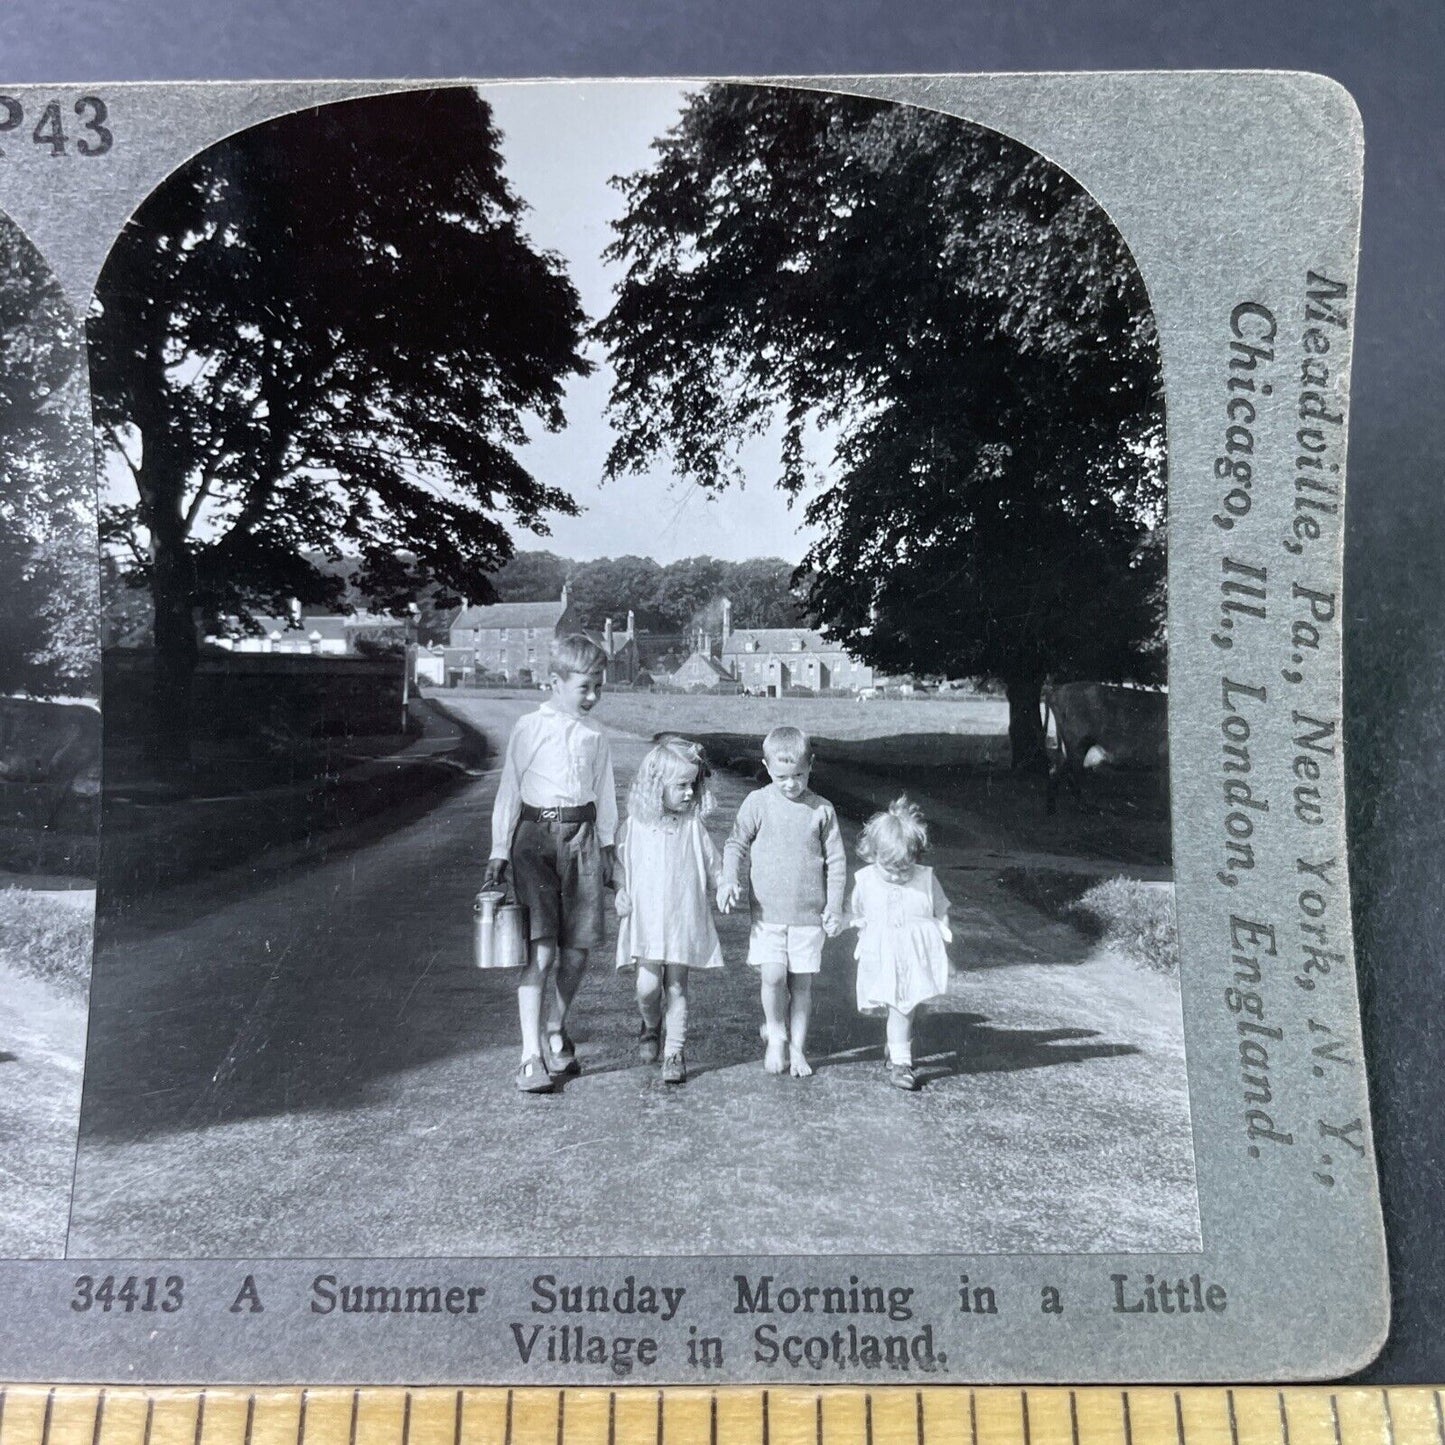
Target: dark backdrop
(1390, 57)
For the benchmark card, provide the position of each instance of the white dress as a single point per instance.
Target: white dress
(902, 930)
(670, 874)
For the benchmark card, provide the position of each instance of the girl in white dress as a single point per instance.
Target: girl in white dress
(901, 915)
(669, 872)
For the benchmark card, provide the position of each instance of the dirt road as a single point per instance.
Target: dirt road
(315, 1069)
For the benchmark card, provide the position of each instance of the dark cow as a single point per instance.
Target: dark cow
(51, 747)
(1103, 724)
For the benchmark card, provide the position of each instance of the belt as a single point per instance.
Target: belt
(579, 813)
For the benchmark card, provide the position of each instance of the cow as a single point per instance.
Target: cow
(1103, 724)
(51, 747)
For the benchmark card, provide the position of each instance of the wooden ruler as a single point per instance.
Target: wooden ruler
(940, 1415)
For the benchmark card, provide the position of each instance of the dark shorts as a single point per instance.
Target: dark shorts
(557, 875)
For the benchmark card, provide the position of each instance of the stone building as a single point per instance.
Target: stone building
(770, 660)
(508, 640)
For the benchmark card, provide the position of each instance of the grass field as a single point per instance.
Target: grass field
(952, 754)
(934, 729)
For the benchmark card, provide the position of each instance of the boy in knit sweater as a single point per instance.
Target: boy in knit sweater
(787, 842)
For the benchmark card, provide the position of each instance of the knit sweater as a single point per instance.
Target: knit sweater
(791, 850)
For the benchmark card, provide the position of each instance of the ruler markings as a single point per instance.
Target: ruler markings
(1302, 1415)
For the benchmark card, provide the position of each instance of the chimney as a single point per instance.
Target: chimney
(607, 635)
(564, 595)
(631, 623)
(293, 610)
(727, 620)
(706, 648)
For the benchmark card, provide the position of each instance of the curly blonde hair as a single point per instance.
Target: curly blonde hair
(672, 759)
(898, 836)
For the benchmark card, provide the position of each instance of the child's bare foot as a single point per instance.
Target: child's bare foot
(798, 1066)
(775, 1059)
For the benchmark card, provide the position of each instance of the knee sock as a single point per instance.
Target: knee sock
(676, 1024)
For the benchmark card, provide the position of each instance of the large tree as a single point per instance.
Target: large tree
(324, 334)
(968, 326)
(48, 557)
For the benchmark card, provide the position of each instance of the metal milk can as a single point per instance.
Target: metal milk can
(500, 931)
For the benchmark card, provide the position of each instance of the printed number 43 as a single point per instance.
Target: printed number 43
(95, 138)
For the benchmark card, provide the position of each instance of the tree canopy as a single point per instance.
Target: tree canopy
(324, 335)
(967, 324)
(48, 551)
(671, 597)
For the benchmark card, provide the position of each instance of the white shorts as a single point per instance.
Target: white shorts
(799, 945)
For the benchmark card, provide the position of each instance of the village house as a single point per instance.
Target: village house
(770, 660)
(307, 634)
(506, 640)
(624, 656)
(702, 673)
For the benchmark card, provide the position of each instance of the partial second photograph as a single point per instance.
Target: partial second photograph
(635, 680)
(50, 731)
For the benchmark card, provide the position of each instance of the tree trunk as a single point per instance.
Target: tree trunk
(1026, 724)
(169, 739)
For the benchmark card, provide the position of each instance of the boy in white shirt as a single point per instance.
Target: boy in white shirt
(554, 821)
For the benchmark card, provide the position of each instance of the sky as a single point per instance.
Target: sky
(560, 147)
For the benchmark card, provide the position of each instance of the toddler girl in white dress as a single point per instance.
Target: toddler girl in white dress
(669, 873)
(901, 915)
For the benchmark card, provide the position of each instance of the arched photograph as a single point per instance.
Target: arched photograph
(635, 680)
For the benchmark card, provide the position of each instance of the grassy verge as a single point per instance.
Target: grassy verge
(45, 939)
(1137, 919)
(1133, 917)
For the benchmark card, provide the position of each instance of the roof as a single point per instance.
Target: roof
(710, 663)
(620, 641)
(777, 639)
(511, 614)
(364, 618)
(328, 626)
